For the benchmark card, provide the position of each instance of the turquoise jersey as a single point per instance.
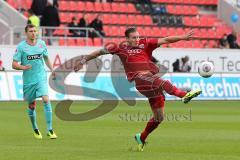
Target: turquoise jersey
(32, 55)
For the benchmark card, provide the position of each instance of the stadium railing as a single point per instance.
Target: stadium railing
(17, 34)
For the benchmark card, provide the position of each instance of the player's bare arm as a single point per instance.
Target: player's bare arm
(89, 57)
(172, 39)
(49, 65)
(17, 66)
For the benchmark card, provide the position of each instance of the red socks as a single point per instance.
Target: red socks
(151, 125)
(172, 90)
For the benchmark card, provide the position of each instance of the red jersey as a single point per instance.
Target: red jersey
(137, 59)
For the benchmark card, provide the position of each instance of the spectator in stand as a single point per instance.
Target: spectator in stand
(74, 24)
(1, 64)
(223, 42)
(238, 3)
(232, 40)
(148, 3)
(50, 18)
(181, 65)
(83, 22)
(97, 24)
(38, 7)
(33, 19)
(55, 3)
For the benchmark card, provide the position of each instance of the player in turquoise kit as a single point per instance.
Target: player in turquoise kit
(31, 56)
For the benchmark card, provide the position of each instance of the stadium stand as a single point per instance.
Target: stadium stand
(170, 17)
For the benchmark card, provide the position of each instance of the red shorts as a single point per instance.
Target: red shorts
(150, 86)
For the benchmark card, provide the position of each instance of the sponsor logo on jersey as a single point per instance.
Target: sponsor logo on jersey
(141, 46)
(33, 57)
(134, 51)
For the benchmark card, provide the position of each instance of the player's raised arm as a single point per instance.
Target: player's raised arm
(89, 57)
(172, 39)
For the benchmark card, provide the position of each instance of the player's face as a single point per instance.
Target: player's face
(133, 38)
(31, 33)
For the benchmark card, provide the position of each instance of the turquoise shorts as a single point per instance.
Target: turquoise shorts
(33, 91)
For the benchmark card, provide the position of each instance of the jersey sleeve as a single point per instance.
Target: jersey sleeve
(45, 51)
(152, 44)
(111, 48)
(18, 54)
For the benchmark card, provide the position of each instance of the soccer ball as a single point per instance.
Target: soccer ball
(206, 69)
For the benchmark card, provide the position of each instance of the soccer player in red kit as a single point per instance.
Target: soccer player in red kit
(136, 55)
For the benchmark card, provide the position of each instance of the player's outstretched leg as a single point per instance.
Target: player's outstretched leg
(173, 90)
(168, 87)
(33, 118)
(48, 117)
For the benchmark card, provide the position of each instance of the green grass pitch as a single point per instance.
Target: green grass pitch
(200, 130)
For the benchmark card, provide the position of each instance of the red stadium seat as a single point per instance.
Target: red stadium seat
(140, 20)
(188, 21)
(63, 6)
(171, 31)
(170, 9)
(115, 19)
(131, 19)
(73, 6)
(179, 10)
(148, 20)
(188, 44)
(91, 17)
(97, 42)
(203, 33)
(131, 8)
(115, 7)
(107, 30)
(71, 42)
(197, 44)
(197, 33)
(115, 31)
(81, 42)
(194, 10)
(211, 33)
(89, 42)
(63, 17)
(149, 32)
(59, 32)
(80, 6)
(61, 42)
(141, 31)
(98, 7)
(180, 31)
(115, 40)
(156, 31)
(28, 3)
(122, 30)
(164, 32)
(195, 22)
(123, 19)
(123, 8)
(107, 7)
(212, 44)
(89, 6)
(107, 18)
